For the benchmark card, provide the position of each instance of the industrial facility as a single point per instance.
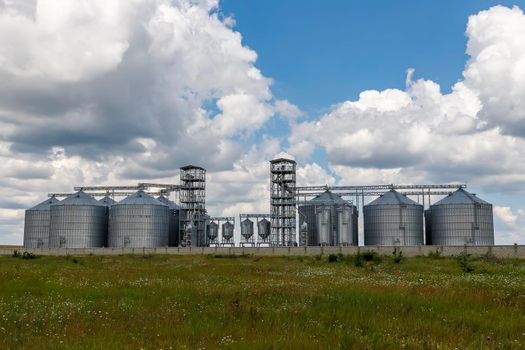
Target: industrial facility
(143, 216)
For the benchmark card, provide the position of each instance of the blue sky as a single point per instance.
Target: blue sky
(323, 52)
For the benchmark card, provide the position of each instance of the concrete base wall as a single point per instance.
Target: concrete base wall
(514, 251)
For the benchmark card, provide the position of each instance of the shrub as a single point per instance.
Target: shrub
(398, 255)
(435, 255)
(359, 260)
(16, 254)
(465, 262)
(369, 256)
(333, 258)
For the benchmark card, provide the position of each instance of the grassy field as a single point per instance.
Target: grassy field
(201, 302)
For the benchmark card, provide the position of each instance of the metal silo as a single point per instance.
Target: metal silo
(213, 231)
(462, 218)
(36, 225)
(324, 225)
(174, 216)
(263, 229)
(79, 221)
(139, 221)
(247, 228)
(330, 220)
(227, 231)
(393, 219)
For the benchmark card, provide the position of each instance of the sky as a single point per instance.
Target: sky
(122, 91)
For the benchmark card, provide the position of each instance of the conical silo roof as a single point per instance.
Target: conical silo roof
(329, 197)
(45, 205)
(140, 198)
(460, 197)
(107, 201)
(169, 203)
(393, 197)
(80, 198)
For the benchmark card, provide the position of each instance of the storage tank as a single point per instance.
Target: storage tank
(227, 230)
(174, 216)
(264, 228)
(79, 221)
(324, 225)
(330, 220)
(247, 228)
(393, 219)
(428, 227)
(138, 221)
(36, 224)
(213, 231)
(462, 218)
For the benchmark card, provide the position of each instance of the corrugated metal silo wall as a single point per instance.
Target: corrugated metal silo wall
(428, 227)
(393, 224)
(173, 228)
(138, 226)
(308, 215)
(460, 224)
(78, 226)
(36, 228)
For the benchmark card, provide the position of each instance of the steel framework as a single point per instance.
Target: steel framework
(192, 197)
(283, 202)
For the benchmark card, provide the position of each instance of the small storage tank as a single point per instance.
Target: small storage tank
(393, 219)
(79, 221)
(263, 228)
(227, 231)
(247, 228)
(462, 218)
(138, 221)
(174, 216)
(347, 222)
(36, 224)
(213, 231)
(428, 227)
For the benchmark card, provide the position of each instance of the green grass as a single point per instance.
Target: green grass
(248, 302)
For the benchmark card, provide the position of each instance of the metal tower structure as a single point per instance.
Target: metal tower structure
(192, 198)
(283, 202)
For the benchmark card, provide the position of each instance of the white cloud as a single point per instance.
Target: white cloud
(505, 214)
(423, 134)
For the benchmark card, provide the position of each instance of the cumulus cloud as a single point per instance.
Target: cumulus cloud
(104, 92)
(423, 134)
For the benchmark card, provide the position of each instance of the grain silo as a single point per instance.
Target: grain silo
(107, 201)
(213, 231)
(138, 221)
(79, 221)
(247, 229)
(174, 215)
(393, 219)
(227, 232)
(462, 218)
(263, 230)
(36, 225)
(330, 220)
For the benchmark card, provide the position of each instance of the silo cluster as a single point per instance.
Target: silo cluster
(461, 218)
(80, 221)
(328, 220)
